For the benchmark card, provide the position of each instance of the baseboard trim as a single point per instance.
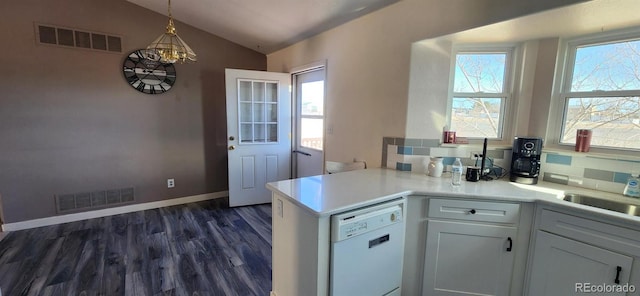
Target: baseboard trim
(110, 211)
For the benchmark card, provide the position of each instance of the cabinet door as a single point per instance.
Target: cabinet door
(560, 265)
(468, 259)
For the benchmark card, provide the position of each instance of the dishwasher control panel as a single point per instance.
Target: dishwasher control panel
(361, 221)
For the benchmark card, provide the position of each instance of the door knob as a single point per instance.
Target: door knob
(231, 138)
(232, 147)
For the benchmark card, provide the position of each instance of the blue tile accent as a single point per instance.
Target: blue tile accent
(620, 177)
(405, 150)
(400, 166)
(448, 160)
(559, 159)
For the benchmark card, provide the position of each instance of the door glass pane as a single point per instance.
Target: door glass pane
(272, 132)
(258, 112)
(312, 98)
(254, 112)
(258, 91)
(245, 112)
(311, 132)
(259, 133)
(271, 92)
(244, 91)
(476, 117)
(246, 133)
(272, 113)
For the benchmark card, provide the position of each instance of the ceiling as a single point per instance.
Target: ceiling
(574, 20)
(265, 25)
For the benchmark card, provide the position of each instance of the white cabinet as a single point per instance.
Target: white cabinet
(470, 247)
(468, 259)
(572, 254)
(563, 266)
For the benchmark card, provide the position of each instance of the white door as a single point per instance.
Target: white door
(258, 133)
(309, 100)
(468, 259)
(561, 264)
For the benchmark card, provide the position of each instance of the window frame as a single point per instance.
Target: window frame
(506, 109)
(562, 87)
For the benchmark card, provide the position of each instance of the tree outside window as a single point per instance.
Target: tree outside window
(603, 93)
(480, 93)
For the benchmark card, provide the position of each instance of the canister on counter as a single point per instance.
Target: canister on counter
(449, 137)
(583, 140)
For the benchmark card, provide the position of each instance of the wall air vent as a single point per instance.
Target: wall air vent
(76, 38)
(83, 201)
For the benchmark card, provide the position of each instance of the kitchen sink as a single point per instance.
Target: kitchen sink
(603, 203)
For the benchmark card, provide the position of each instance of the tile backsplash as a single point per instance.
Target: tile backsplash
(563, 167)
(587, 171)
(405, 154)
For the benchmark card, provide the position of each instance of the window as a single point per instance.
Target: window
(480, 91)
(311, 114)
(601, 91)
(310, 105)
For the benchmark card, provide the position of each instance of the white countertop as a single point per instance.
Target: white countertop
(326, 195)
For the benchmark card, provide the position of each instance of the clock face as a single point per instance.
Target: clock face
(147, 76)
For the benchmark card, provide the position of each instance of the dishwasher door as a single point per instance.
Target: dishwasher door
(367, 251)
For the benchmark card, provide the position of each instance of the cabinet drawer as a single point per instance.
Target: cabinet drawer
(474, 210)
(591, 231)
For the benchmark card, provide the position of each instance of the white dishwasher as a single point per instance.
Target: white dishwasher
(367, 247)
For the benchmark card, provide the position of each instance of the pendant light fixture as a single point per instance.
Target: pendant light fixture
(169, 47)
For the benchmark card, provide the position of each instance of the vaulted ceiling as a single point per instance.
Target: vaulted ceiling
(265, 25)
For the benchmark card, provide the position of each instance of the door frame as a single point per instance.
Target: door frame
(321, 64)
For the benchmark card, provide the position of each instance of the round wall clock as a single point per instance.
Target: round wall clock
(148, 76)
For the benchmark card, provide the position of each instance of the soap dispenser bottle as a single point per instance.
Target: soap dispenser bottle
(633, 187)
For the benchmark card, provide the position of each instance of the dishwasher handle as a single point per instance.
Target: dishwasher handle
(378, 241)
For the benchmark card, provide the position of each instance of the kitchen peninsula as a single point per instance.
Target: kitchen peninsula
(520, 227)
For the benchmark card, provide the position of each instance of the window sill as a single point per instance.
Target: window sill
(476, 145)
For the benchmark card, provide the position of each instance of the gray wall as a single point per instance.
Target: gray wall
(70, 123)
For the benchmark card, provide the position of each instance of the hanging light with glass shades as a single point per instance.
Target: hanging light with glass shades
(169, 47)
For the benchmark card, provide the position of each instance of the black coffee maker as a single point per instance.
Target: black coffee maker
(525, 160)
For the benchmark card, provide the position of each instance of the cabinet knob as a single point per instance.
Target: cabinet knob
(232, 147)
(473, 211)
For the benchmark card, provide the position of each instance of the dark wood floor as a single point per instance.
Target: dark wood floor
(202, 248)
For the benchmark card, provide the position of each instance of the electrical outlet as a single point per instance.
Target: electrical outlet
(279, 211)
(171, 183)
